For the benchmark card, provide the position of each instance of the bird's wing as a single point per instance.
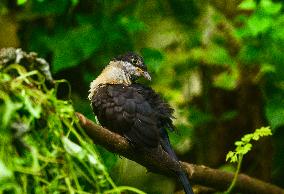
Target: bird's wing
(162, 108)
(124, 110)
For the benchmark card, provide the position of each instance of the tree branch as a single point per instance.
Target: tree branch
(156, 160)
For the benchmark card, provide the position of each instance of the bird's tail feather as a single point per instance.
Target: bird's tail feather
(181, 174)
(184, 181)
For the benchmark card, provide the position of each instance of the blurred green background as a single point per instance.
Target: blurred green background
(217, 62)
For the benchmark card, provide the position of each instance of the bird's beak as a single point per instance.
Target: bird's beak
(146, 75)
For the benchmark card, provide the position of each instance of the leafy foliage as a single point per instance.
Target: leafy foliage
(219, 64)
(244, 146)
(43, 148)
(85, 40)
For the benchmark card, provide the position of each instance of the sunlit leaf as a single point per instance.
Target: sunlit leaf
(21, 2)
(132, 24)
(244, 146)
(226, 80)
(247, 5)
(5, 172)
(259, 24)
(74, 2)
(270, 7)
(247, 137)
(217, 55)
(229, 155)
(33, 108)
(267, 68)
(95, 161)
(73, 148)
(239, 143)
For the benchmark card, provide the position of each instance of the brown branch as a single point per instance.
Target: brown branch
(158, 161)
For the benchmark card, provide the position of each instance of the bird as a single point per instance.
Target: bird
(133, 110)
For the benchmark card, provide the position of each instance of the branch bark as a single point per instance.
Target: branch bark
(158, 161)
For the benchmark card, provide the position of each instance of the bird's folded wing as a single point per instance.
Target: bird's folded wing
(124, 110)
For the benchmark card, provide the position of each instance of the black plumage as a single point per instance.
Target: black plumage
(130, 111)
(133, 110)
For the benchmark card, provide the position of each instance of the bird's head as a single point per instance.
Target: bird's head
(133, 65)
(124, 69)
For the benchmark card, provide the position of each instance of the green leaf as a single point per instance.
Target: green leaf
(274, 111)
(5, 171)
(217, 55)
(198, 117)
(74, 2)
(49, 7)
(264, 131)
(255, 138)
(95, 161)
(229, 155)
(270, 7)
(21, 2)
(132, 24)
(11, 108)
(259, 24)
(247, 137)
(247, 5)
(73, 148)
(153, 58)
(33, 108)
(234, 158)
(225, 80)
(74, 46)
(239, 143)
(267, 68)
(250, 54)
(244, 146)
(212, 55)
